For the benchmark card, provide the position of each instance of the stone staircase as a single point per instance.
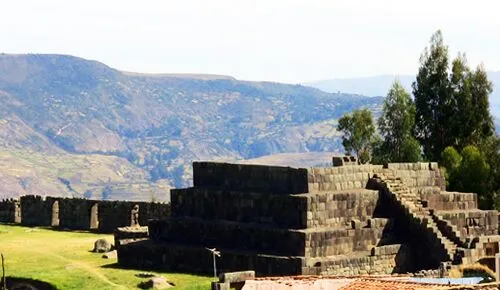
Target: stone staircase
(421, 216)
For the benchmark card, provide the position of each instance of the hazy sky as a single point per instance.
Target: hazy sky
(288, 41)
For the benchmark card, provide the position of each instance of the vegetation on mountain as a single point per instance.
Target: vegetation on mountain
(159, 124)
(358, 133)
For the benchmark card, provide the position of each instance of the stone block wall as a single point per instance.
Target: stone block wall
(228, 235)
(245, 207)
(183, 258)
(80, 214)
(384, 260)
(36, 210)
(328, 242)
(114, 214)
(344, 160)
(337, 209)
(450, 200)
(473, 222)
(420, 174)
(75, 213)
(151, 211)
(340, 178)
(297, 221)
(8, 211)
(253, 178)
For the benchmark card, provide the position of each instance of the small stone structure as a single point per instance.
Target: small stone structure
(343, 220)
(79, 214)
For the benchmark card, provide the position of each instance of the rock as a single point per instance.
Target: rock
(158, 282)
(110, 255)
(145, 275)
(102, 246)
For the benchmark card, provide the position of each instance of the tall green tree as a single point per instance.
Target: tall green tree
(469, 172)
(452, 107)
(470, 94)
(395, 125)
(358, 133)
(434, 108)
(482, 125)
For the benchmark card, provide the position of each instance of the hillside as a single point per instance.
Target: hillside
(158, 124)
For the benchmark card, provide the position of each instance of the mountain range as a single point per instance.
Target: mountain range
(75, 127)
(379, 86)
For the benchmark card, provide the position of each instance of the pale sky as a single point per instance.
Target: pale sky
(287, 41)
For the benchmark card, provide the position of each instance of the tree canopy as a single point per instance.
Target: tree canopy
(452, 107)
(358, 133)
(395, 126)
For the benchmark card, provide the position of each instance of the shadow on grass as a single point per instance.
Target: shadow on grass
(145, 271)
(28, 284)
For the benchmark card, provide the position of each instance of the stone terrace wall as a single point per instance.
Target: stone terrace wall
(245, 207)
(228, 235)
(383, 260)
(349, 177)
(337, 209)
(443, 200)
(253, 178)
(421, 174)
(183, 258)
(340, 178)
(328, 242)
(473, 222)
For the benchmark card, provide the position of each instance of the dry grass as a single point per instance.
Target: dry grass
(471, 270)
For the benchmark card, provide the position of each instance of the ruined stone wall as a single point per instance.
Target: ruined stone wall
(82, 214)
(8, 211)
(151, 211)
(114, 214)
(74, 213)
(253, 178)
(36, 210)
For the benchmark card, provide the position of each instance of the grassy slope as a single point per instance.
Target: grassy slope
(64, 259)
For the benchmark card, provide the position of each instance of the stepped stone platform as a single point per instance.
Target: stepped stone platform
(347, 219)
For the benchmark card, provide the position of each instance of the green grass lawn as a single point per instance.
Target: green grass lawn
(64, 260)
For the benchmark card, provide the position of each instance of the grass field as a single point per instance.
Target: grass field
(64, 260)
